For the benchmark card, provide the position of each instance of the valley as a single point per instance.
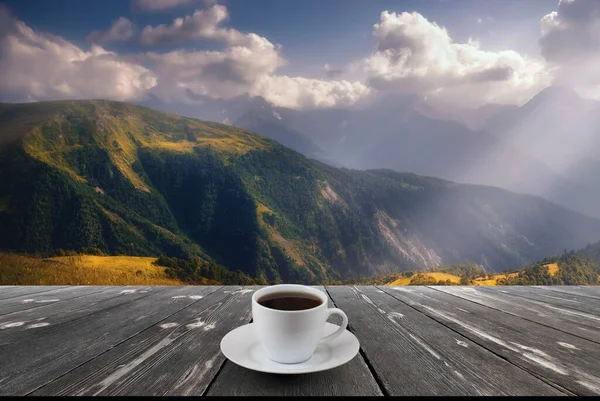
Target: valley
(112, 178)
(546, 147)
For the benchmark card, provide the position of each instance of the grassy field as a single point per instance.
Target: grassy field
(484, 281)
(437, 276)
(552, 269)
(18, 269)
(81, 270)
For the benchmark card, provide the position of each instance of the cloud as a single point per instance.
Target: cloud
(120, 31)
(248, 69)
(219, 74)
(298, 92)
(247, 65)
(415, 55)
(40, 66)
(37, 66)
(570, 41)
(161, 5)
(202, 24)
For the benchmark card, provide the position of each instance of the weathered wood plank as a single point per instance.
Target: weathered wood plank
(565, 300)
(11, 291)
(414, 355)
(30, 301)
(352, 378)
(46, 355)
(583, 291)
(177, 356)
(52, 314)
(579, 323)
(560, 358)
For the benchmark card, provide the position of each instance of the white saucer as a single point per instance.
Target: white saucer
(242, 348)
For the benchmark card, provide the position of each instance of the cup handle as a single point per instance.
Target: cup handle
(342, 327)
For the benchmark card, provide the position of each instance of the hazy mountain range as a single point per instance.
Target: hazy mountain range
(547, 147)
(122, 179)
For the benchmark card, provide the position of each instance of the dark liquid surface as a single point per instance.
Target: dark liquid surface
(289, 301)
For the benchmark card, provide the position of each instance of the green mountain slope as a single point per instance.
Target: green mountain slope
(124, 179)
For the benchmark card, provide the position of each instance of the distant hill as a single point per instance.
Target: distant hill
(261, 118)
(570, 269)
(547, 147)
(118, 179)
(402, 133)
(562, 130)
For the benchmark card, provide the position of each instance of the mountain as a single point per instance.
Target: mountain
(122, 179)
(562, 130)
(475, 119)
(260, 117)
(394, 133)
(204, 107)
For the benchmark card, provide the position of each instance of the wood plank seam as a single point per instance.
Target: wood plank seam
(515, 315)
(33, 305)
(362, 353)
(474, 340)
(214, 378)
(120, 342)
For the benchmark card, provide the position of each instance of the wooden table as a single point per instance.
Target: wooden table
(93, 340)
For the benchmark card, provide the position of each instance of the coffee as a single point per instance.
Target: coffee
(289, 301)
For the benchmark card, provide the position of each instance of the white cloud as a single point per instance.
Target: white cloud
(571, 41)
(416, 55)
(219, 74)
(203, 24)
(161, 5)
(242, 70)
(247, 65)
(121, 30)
(298, 92)
(39, 66)
(36, 66)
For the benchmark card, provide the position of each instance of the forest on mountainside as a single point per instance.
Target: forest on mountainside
(219, 203)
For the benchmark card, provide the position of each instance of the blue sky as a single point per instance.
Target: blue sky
(307, 29)
(340, 33)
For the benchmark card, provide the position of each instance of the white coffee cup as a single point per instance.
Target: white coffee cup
(292, 336)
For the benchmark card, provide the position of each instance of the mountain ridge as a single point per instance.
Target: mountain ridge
(126, 179)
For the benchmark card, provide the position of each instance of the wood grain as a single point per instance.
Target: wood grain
(55, 313)
(352, 378)
(30, 301)
(11, 291)
(414, 355)
(566, 361)
(583, 291)
(46, 355)
(414, 341)
(176, 356)
(579, 323)
(569, 301)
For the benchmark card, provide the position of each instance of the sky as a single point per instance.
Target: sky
(298, 54)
